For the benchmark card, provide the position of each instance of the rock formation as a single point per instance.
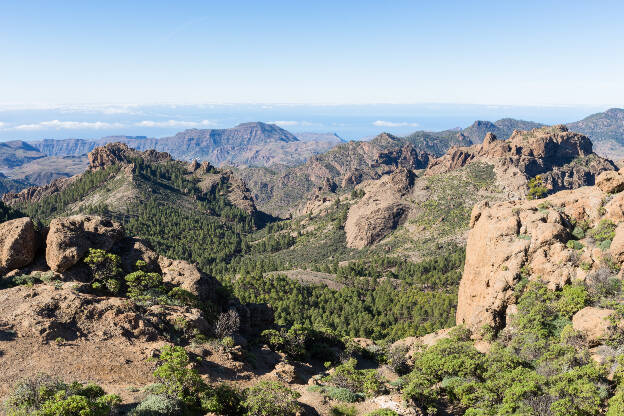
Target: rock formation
(563, 159)
(114, 153)
(512, 240)
(380, 210)
(18, 243)
(70, 238)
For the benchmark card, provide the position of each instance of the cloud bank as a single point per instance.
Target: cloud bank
(384, 123)
(67, 125)
(175, 123)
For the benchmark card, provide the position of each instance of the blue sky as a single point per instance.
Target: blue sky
(189, 52)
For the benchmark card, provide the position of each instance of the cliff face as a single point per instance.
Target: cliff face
(560, 239)
(119, 153)
(563, 159)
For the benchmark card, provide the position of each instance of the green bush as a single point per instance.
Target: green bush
(604, 231)
(575, 245)
(106, 271)
(363, 381)
(616, 404)
(343, 410)
(270, 398)
(176, 378)
(537, 189)
(44, 395)
(382, 412)
(222, 400)
(144, 285)
(341, 394)
(573, 299)
(158, 405)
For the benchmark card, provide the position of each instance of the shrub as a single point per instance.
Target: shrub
(602, 283)
(227, 323)
(270, 398)
(575, 245)
(573, 299)
(616, 404)
(347, 376)
(343, 410)
(158, 405)
(537, 189)
(397, 359)
(182, 297)
(144, 285)
(222, 400)
(176, 378)
(604, 231)
(77, 405)
(341, 394)
(382, 412)
(44, 395)
(228, 342)
(105, 269)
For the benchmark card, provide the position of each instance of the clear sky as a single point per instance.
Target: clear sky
(484, 52)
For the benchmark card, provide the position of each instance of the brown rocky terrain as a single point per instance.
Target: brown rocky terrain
(512, 240)
(563, 160)
(57, 327)
(281, 192)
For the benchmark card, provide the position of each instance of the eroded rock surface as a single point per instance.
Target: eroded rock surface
(512, 240)
(18, 243)
(70, 238)
(380, 210)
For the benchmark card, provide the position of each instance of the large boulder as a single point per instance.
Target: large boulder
(610, 182)
(18, 243)
(380, 211)
(70, 238)
(188, 277)
(617, 245)
(594, 323)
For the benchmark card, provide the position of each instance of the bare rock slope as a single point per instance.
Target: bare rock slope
(494, 170)
(560, 239)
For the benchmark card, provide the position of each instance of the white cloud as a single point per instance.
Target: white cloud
(287, 123)
(383, 123)
(2, 125)
(68, 125)
(175, 123)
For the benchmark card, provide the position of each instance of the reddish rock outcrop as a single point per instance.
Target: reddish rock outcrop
(564, 160)
(70, 238)
(18, 243)
(380, 210)
(509, 240)
(610, 182)
(104, 156)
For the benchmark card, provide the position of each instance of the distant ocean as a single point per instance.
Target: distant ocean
(351, 122)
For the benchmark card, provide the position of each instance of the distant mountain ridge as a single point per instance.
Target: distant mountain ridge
(606, 130)
(253, 143)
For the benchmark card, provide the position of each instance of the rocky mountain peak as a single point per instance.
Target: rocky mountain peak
(112, 153)
(564, 159)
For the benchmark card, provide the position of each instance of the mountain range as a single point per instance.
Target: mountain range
(251, 147)
(333, 307)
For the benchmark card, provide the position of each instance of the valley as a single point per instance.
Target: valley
(374, 262)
